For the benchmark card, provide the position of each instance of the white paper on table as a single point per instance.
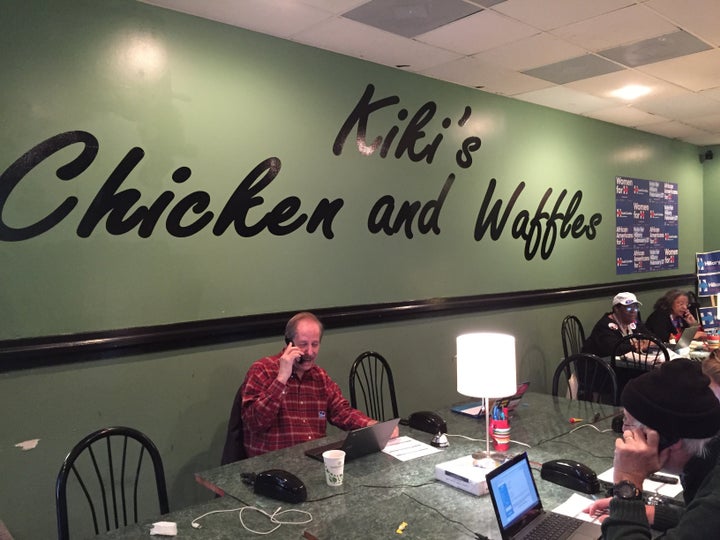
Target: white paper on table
(661, 488)
(406, 448)
(575, 507)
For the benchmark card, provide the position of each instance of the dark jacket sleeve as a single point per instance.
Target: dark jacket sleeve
(603, 338)
(660, 325)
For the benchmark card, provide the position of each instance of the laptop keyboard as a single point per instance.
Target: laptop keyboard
(554, 527)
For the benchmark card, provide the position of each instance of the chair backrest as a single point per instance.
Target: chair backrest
(694, 305)
(573, 335)
(234, 449)
(107, 468)
(626, 352)
(585, 377)
(371, 375)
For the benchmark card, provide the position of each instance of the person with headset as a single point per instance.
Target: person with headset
(287, 398)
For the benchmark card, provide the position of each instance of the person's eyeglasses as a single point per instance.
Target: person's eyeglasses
(630, 309)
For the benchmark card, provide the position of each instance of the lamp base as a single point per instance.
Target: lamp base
(489, 459)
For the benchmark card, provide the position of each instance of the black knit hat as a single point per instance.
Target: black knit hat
(674, 400)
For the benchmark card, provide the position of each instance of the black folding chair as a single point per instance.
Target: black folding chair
(635, 354)
(585, 377)
(234, 449)
(107, 468)
(573, 335)
(639, 351)
(371, 375)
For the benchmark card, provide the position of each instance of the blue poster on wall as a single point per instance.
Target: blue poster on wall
(646, 225)
(708, 273)
(708, 317)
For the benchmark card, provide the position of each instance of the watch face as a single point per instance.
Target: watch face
(626, 490)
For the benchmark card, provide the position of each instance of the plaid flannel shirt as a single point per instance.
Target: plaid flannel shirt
(277, 415)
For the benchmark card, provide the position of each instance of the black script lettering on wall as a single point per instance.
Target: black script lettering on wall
(411, 141)
(417, 136)
(540, 231)
(33, 157)
(119, 207)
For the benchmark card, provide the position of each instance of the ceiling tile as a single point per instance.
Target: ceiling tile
(604, 85)
(709, 122)
(713, 93)
(566, 99)
(696, 72)
(616, 28)
(673, 130)
(684, 105)
(550, 14)
(700, 17)
(503, 42)
(281, 18)
(656, 49)
(582, 67)
(534, 51)
(625, 115)
(410, 19)
(491, 78)
(354, 39)
(508, 83)
(333, 6)
(703, 139)
(478, 32)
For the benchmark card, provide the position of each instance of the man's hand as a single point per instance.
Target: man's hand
(287, 361)
(600, 509)
(636, 456)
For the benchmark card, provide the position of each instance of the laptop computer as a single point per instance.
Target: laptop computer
(519, 510)
(359, 442)
(685, 338)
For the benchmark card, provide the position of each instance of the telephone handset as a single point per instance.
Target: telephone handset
(300, 359)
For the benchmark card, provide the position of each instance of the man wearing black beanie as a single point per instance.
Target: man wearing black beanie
(671, 417)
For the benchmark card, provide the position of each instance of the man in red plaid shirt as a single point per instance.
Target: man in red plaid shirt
(288, 399)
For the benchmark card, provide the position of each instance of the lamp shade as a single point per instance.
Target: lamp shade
(486, 365)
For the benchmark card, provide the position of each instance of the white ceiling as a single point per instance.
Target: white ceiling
(496, 47)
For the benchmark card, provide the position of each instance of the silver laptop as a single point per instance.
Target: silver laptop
(686, 338)
(519, 510)
(359, 442)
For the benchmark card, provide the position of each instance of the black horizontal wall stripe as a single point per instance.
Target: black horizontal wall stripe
(51, 350)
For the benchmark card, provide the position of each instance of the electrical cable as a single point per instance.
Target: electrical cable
(470, 532)
(272, 517)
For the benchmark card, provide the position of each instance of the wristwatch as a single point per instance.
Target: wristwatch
(626, 491)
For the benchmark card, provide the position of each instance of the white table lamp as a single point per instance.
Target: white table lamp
(486, 369)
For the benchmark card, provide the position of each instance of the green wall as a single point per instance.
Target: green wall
(711, 194)
(177, 112)
(222, 101)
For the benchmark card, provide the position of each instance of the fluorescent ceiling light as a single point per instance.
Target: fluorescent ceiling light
(631, 91)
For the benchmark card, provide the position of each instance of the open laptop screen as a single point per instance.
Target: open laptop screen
(513, 492)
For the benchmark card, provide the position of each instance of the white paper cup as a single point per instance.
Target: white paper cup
(334, 464)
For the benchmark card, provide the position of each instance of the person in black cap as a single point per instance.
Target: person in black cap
(671, 421)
